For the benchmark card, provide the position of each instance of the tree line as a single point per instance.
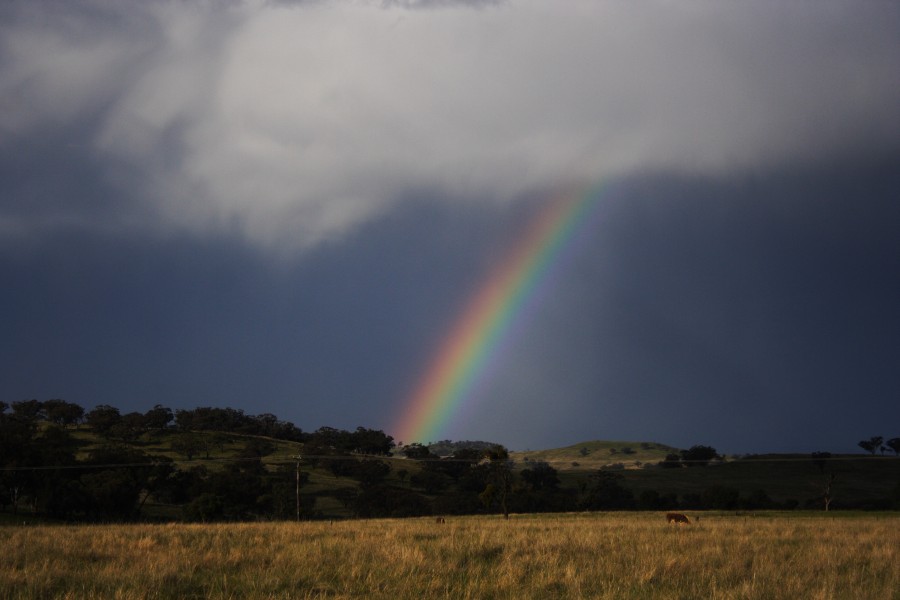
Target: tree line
(45, 469)
(876, 443)
(227, 471)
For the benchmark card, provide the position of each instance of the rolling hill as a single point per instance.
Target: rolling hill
(597, 454)
(214, 475)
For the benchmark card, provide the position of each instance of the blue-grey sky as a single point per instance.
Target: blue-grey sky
(283, 206)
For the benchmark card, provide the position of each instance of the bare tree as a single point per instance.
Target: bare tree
(820, 459)
(826, 491)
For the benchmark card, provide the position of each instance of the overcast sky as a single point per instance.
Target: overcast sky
(283, 206)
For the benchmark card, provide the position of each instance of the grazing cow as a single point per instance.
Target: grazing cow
(677, 518)
(440, 520)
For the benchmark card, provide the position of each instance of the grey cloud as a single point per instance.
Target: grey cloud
(401, 4)
(414, 4)
(294, 125)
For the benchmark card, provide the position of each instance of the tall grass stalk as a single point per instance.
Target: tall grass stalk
(623, 555)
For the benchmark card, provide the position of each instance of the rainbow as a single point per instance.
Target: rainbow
(499, 308)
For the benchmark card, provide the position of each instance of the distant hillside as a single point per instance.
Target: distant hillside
(62, 464)
(447, 447)
(596, 454)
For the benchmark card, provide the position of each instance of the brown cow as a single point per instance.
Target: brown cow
(677, 518)
(440, 520)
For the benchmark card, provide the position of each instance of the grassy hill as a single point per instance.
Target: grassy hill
(597, 454)
(214, 447)
(329, 492)
(785, 477)
(859, 480)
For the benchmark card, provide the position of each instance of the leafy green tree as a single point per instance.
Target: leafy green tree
(243, 487)
(159, 417)
(894, 444)
(18, 452)
(372, 472)
(460, 462)
(220, 440)
(455, 466)
(184, 420)
(113, 494)
(205, 508)
(188, 445)
(539, 491)
(458, 503)
(417, 451)
(115, 485)
(63, 413)
(720, 497)
(488, 495)
(757, 500)
(872, 444)
(608, 493)
(16, 436)
(383, 501)
(129, 427)
(103, 418)
(317, 451)
(29, 410)
(231, 420)
(540, 476)
(285, 430)
(649, 500)
(268, 424)
(371, 441)
(431, 482)
(653, 500)
(698, 456)
(257, 448)
(330, 440)
(65, 498)
(499, 470)
(56, 446)
(182, 485)
(672, 461)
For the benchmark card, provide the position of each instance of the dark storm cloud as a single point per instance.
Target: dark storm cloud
(402, 4)
(752, 315)
(291, 126)
(283, 208)
(413, 4)
(137, 320)
(749, 313)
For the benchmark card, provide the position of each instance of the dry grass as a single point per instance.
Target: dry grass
(577, 556)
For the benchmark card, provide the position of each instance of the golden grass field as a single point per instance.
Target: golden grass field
(596, 555)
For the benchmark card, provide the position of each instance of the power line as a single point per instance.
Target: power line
(290, 461)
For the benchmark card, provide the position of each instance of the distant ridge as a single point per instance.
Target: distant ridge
(447, 448)
(598, 453)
